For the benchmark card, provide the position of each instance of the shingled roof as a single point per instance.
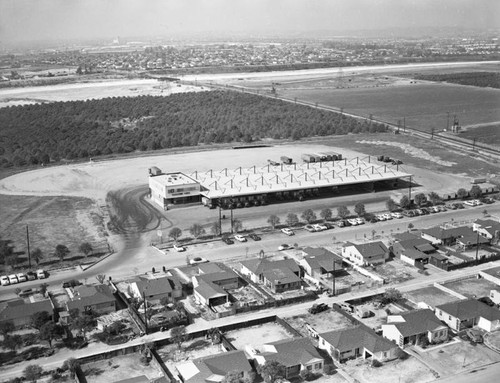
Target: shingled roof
(415, 322)
(352, 338)
(258, 266)
(470, 308)
(85, 296)
(291, 352)
(18, 308)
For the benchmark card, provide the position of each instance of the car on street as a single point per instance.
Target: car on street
(473, 202)
(4, 280)
(353, 221)
(380, 217)
(179, 247)
(227, 240)
(388, 216)
(287, 231)
(360, 221)
(408, 213)
(21, 277)
(459, 205)
(320, 227)
(452, 206)
(309, 228)
(396, 214)
(40, 274)
(317, 308)
(197, 260)
(13, 279)
(340, 223)
(240, 238)
(285, 246)
(31, 275)
(255, 237)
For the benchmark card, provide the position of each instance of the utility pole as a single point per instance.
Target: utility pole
(474, 144)
(333, 278)
(447, 120)
(409, 190)
(220, 220)
(404, 124)
(145, 311)
(28, 241)
(477, 247)
(432, 133)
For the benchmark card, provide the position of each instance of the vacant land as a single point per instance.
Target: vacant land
(118, 368)
(51, 221)
(396, 271)
(431, 296)
(408, 371)
(325, 321)
(256, 336)
(472, 288)
(487, 133)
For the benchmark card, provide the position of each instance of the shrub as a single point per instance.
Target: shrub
(376, 363)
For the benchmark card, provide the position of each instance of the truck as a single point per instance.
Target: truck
(286, 160)
(272, 163)
(308, 158)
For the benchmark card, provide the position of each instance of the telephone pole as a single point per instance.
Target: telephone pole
(28, 241)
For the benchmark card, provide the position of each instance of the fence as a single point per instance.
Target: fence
(288, 328)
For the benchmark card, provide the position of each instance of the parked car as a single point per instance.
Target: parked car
(197, 260)
(388, 216)
(340, 223)
(13, 279)
(309, 228)
(287, 231)
(452, 206)
(430, 210)
(240, 238)
(363, 312)
(353, 221)
(179, 247)
(26, 293)
(487, 300)
(71, 283)
(474, 335)
(396, 214)
(227, 240)
(31, 275)
(347, 307)
(317, 308)
(487, 200)
(320, 227)
(21, 277)
(4, 280)
(459, 205)
(380, 217)
(442, 208)
(40, 274)
(255, 237)
(408, 213)
(360, 221)
(471, 203)
(284, 246)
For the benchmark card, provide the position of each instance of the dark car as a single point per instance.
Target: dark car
(71, 283)
(487, 301)
(227, 241)
(255, 237)
(317, 308)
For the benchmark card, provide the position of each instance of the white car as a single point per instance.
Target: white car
(179, 247)
(380, 217)
(470, 203)
(477, 202)
(13, 279)
(388, 216)
(353, 221)
(287, 231)
(285, 247)
(21, 277)
(40, 274)
(320, 227)
(310, 228)
(397, 215)
(197, 260)
(360, 221)
(4, 280)
(240, 238)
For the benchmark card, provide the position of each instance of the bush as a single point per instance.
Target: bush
(376, 363)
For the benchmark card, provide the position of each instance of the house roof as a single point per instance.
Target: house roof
(213, 368)
(415, 254)
(152, 287)
(219, 276)
(290, 352)
(416, 243)
(455, 232)
(371, 249)
(18, 308)
(280, 276)
(321, 258)
(210, 290)
(470, 308)
(361, 336)
(489, 224)
(415, 322)
(86, 295)
(258, 266)
(404, 236)
(209, 268)
(473, 239)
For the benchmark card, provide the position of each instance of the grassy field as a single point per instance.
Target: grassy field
(51, 221)
(489, 134)
(424, 106)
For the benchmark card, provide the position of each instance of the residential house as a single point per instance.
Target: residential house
(225, 278)
(20, 311)
(495, 296)
(447, 237)
(99, 299)
(297, 355)
(488, 228)
(412, 327)
(469, 313)
(372, 253)
(357, 342)
(213, 368)
(318, 261)
(212, 282)
(210, 294)
(278, 276)
(155, 289)
(471, 240)
(413, 251)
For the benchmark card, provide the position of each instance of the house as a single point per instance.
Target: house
(227, 279)
(469, 313)
(99, 299)
(20, 311)
(372, 253)
(298, 354)
(319, 261)
(155, 289)
(278, 276)
(495, 296)
(356, 342)
(488, 228)
(213, 368)
(210, 294)
(447, 237)
(469, 241)
(413, 250)
(211, 282)
(411, 327)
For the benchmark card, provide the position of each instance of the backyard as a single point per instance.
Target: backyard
(256, 336)
(431, 296)
(472, 287)
(322, 322)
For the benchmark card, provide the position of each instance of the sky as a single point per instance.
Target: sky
(32, 20)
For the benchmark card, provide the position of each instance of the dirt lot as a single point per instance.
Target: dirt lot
(398, 371)
(256, 336)
(472, 288)
(430, 295)
(378, 316)
(462, 355)
(118, 368)
(52, 221)
(396, 271)
(325, 321)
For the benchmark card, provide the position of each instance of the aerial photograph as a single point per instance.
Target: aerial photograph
(249, 191)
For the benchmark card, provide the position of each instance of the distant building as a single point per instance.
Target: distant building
(469, 313)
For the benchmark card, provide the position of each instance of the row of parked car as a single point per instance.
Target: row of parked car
(240, 238)
(12, 279)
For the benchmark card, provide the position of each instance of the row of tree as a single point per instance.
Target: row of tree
(43, 133)
(481, 79)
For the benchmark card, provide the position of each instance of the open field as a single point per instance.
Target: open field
(488, 133)
(51, 221)
(118, 368)
(256, 336)
(430, 295)
(397, 371)
(90, 90)
(472, 288)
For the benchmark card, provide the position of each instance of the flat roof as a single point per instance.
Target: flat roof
(288, 177)
(173, 179)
